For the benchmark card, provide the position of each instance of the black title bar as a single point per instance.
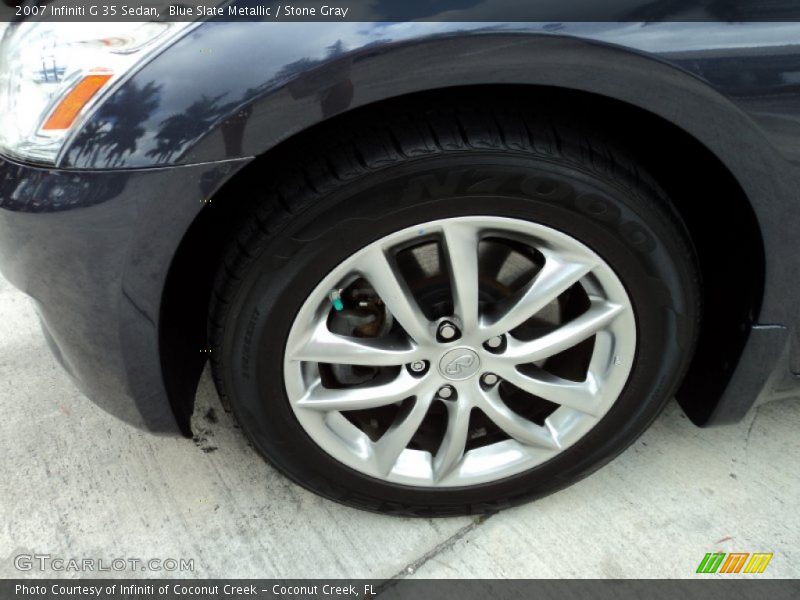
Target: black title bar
(403, 10)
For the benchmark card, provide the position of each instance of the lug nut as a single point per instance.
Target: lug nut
(418, 366)
(494, 342)
(447, 331)
(446, 392)
(489, 379)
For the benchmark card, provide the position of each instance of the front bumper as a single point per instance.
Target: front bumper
(93, 248)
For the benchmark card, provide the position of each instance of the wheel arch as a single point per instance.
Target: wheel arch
(703, 175)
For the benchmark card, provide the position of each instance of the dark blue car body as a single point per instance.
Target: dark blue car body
(119, 242)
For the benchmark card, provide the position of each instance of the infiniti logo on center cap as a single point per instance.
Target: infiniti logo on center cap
(459, 363)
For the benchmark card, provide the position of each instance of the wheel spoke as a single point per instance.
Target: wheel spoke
(555, 277)
(583, 396)
(361, 397)
(392, 443)
(455, 440)
(394, 292)
(521, 429)
(599, 315)
(326, 347)
(461, 249)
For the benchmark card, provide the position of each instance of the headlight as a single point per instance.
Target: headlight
(52, 74)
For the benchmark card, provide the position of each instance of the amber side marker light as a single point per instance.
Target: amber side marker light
(67, 110)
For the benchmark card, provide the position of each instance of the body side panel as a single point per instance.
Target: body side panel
(231, 91)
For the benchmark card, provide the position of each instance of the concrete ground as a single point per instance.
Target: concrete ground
(78, 483)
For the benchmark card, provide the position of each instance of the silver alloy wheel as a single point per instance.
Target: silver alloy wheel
(606, 326)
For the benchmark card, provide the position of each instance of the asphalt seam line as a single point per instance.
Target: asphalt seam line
(411, 568)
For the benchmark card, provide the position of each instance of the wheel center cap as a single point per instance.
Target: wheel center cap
(459, 364)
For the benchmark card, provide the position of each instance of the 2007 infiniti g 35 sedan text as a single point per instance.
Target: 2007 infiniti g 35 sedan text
(437, 268)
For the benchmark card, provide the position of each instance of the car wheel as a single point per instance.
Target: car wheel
(452, 311)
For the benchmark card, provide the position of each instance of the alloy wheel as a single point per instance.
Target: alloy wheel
(459, 351)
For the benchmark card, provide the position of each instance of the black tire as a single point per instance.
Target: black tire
(370, 177)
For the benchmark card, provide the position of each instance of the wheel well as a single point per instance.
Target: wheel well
(731, 257)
